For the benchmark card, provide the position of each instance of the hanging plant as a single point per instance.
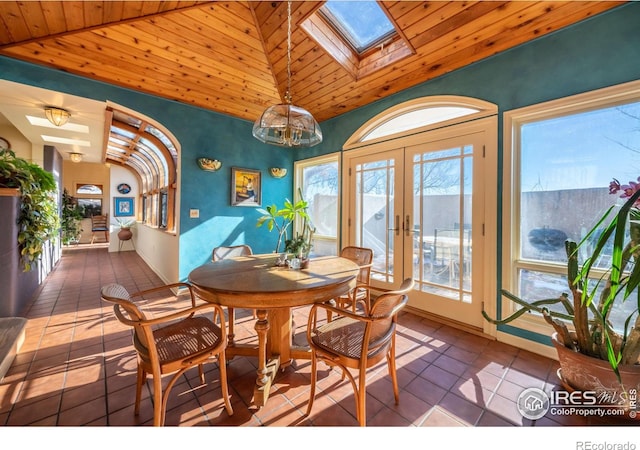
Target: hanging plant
(38, 221)
(71, 219)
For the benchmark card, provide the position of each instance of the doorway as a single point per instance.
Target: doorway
(420, 202)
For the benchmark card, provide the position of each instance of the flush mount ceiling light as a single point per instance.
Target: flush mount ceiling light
(75, 157)
(286, 125)
(56, 116)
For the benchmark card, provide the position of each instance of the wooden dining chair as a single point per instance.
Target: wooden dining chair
(357, 341)
(223, 252)
(169, 339)
(361, 294)
(100, 224)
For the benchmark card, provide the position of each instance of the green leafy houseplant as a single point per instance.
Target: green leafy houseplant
(38, 220)
(282, 220)
(300, 245)
(71, 219)
(585, 324)
(126, 223)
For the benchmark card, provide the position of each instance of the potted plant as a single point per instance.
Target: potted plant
(300, 245)
(38, 220)
(125, 226)
(282, 220)
(595, 354)
(71, 219)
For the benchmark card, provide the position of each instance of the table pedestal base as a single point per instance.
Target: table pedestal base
(273, 329)
(261, 392)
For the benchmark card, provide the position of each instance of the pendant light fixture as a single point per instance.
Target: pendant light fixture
(56, 116)
(287, 125)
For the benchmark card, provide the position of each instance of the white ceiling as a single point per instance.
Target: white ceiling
(17, 101)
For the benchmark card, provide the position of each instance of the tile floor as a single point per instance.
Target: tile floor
(77, 367)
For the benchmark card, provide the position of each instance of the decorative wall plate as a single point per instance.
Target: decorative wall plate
(124, 188)
(210, 165)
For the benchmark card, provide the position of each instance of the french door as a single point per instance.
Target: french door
(420, 206)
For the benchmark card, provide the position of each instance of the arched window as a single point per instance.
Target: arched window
(150, 153)
(419, 115)
(91, 189)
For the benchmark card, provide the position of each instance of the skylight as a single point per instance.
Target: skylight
(362, 23)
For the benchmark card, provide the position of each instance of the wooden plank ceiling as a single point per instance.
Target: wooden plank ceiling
(230, 56)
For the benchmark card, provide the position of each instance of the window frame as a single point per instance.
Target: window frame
(359, 138)
(299, 167)
(512, 122)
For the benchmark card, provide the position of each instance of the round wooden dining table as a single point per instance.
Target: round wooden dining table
(255, 282)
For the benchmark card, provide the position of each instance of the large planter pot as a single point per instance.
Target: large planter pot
(580, 372)
(125, 234)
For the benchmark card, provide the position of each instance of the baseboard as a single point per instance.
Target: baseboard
(528, 345)
(518, 342)
(449, 322)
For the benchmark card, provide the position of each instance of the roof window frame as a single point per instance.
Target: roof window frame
(358, 65)
(343, 30)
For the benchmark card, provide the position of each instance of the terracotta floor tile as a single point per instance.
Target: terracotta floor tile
(460, 408)
(439, 418)
(439, 377)
(77, 367)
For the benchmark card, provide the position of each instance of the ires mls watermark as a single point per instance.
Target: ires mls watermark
(534, 403)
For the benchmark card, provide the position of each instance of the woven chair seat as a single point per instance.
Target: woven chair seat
(191, 338)
(345, 336)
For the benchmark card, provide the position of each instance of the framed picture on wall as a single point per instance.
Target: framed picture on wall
(246, 187)
(123, 207)
(90, 207)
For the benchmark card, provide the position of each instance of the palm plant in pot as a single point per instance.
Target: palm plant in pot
(594, 353)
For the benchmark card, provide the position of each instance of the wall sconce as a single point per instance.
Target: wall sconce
(75, 157)
(210, 165)
(278, 172)
(56, 116)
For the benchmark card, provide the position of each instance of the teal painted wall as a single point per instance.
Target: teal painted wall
(199, 133)
(598, 52)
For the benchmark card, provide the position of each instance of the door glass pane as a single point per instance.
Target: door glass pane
(375, 216)
(442, 187)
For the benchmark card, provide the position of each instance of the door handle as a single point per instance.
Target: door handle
(397, 226)
(407, 226)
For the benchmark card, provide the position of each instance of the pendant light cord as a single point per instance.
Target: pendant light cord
(287, 95)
